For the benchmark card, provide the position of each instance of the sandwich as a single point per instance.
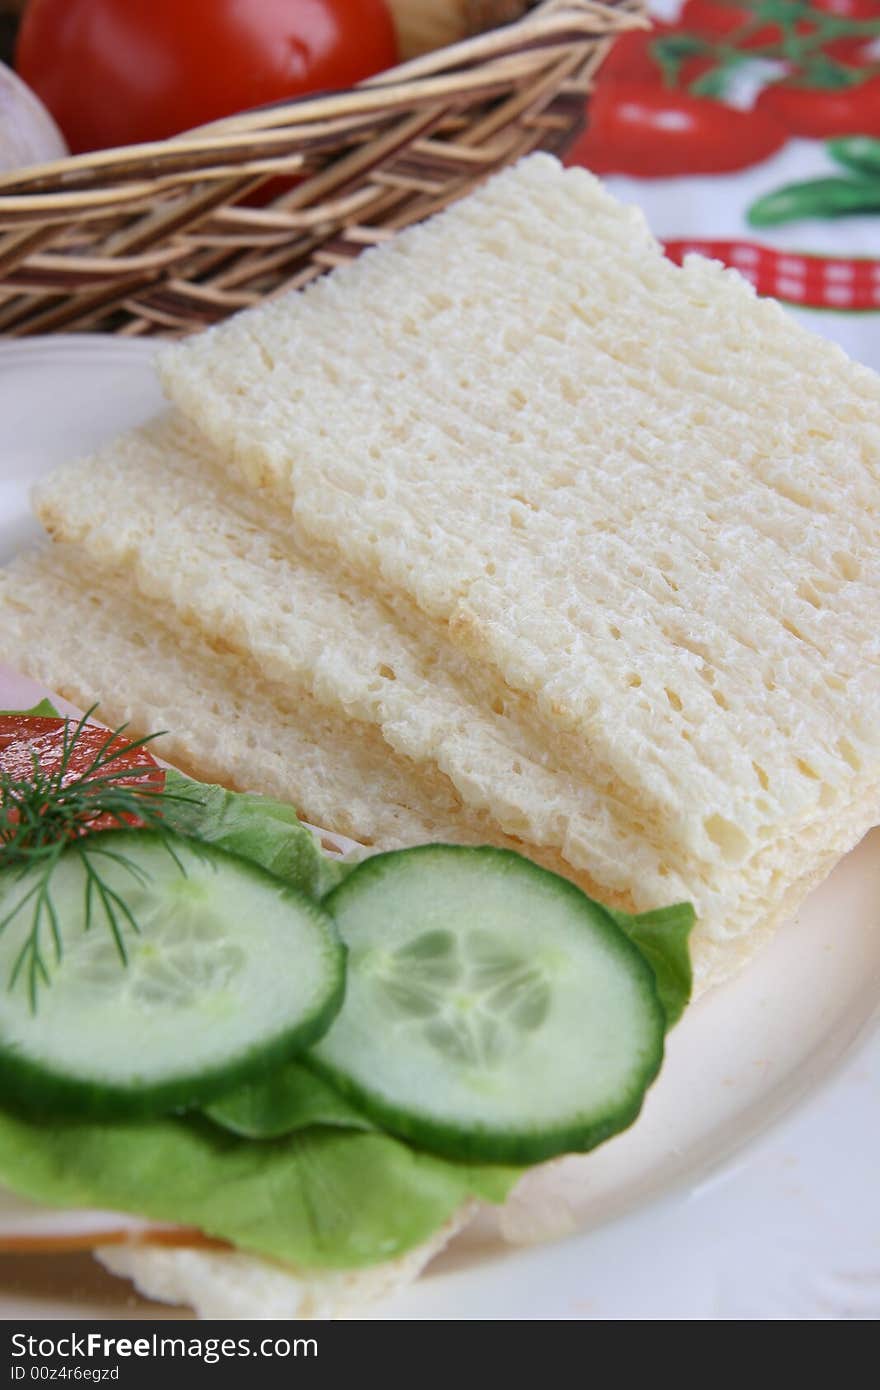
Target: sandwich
(511, 533)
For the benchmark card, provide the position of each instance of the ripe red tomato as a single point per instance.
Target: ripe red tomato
(655, 133)
(118, 72)
(820, 113)
(25, 737)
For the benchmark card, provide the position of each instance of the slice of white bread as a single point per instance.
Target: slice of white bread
(232, 1284)
(649, 501)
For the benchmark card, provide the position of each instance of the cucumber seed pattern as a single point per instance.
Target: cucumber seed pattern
(473, 996)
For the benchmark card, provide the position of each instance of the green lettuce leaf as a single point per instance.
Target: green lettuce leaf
(44, 710)
(291, 1098)
(662, 936)
(268, 832)
(322, 1198)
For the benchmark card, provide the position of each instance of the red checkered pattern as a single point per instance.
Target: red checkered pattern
(821, 282)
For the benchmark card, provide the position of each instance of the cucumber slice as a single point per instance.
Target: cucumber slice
(492, 1010)
(231, 972)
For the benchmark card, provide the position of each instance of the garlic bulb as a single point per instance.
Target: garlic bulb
(28, 134)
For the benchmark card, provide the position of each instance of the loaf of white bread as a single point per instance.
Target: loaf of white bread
(510, 531)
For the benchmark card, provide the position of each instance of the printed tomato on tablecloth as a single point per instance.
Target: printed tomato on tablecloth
(750, 130)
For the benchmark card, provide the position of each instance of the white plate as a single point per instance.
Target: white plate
(748, 1188)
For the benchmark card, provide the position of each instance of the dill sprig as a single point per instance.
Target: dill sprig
(50, 812)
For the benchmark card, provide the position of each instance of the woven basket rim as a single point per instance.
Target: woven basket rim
(549, 24)
(173, 235)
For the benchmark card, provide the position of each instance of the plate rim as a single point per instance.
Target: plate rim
(78, 344)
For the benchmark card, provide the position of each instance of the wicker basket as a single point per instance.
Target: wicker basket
(155, 238)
